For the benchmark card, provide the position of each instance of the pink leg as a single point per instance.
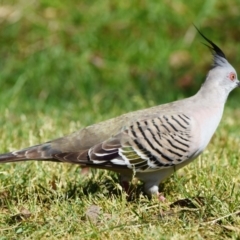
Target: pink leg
(125, 183)
(161, 198)
(84, 171)
(125, 186)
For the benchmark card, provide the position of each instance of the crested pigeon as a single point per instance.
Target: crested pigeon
(149, 144)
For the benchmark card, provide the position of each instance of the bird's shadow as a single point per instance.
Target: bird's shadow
(96, 184)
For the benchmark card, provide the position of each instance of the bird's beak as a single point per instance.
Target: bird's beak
(238, 83)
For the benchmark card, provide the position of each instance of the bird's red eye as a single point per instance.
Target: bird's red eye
(232, 76)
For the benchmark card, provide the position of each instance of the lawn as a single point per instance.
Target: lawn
(65, 65)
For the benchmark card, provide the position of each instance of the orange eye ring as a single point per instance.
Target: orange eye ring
(232, 76)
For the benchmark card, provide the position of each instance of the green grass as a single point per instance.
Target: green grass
(65, 65)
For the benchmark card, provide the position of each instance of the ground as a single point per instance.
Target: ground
(67, 65)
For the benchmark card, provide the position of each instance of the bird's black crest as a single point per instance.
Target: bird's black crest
(213, 46)
(219, 56)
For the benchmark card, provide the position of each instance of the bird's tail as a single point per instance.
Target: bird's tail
(43, 152)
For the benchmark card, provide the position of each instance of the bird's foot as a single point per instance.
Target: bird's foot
(84, 171)
(126, 186)
(161, 198)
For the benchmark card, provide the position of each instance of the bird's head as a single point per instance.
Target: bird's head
(222, 73)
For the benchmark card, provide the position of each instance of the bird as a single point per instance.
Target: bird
(149, 144)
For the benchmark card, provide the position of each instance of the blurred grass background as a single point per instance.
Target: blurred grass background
(74, 58)
(68, 64)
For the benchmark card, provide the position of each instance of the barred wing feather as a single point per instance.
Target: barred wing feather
(145, 145)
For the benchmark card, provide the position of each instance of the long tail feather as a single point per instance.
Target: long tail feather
(42, 152)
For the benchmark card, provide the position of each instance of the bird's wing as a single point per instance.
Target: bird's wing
(145, 145)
